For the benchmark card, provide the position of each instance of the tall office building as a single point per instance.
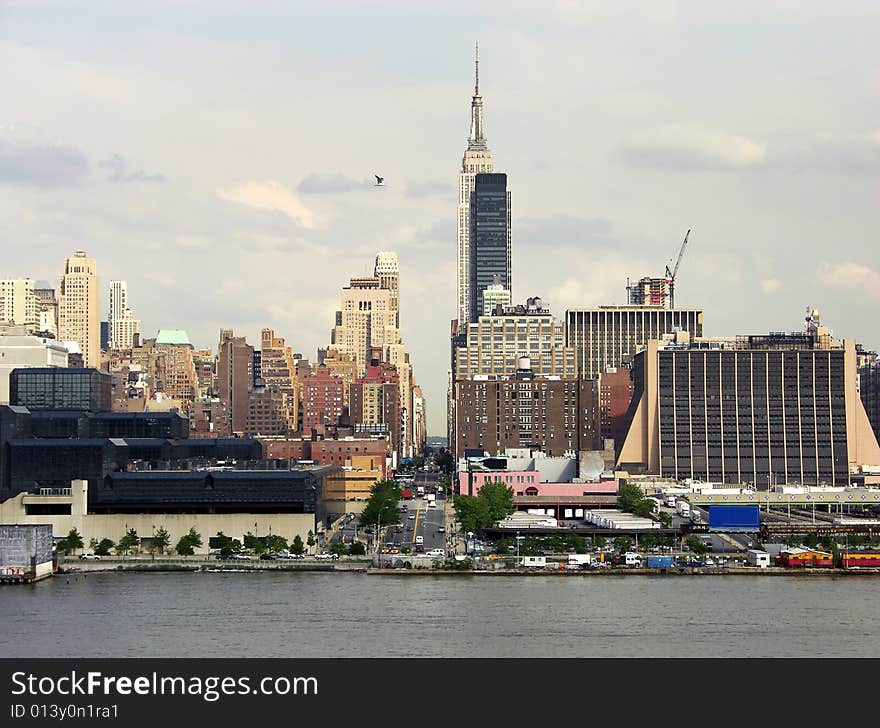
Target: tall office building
(608, 336)
(387, 270)
(869, 390)
(18, 303)
(278, 372)
(767, 410)
(235, 379)
(490, 242)
(79, 307)
(123, 325)
(477, 159)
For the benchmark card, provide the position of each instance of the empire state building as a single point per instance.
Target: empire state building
(477, 160)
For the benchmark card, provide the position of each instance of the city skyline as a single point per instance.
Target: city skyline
(773, 173)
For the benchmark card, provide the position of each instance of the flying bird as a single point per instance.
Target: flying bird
(379, 180)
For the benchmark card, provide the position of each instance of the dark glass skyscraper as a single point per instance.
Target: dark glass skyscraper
(489, 238)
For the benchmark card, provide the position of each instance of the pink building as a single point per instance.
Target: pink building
(528, 483)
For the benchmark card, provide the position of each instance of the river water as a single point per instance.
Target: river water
(266, 614)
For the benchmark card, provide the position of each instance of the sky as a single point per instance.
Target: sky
(219, 156)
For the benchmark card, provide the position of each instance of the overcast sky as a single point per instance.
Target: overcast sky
(219, 156)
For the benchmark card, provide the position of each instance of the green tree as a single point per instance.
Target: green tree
(599, 542)
(194, 538)
(223, 542)
(631, 498)
(103, 547)
(297, 546)
(74, 540)
(357, 549)
(811, 541)
(275, 543)
(665, 519)
(310, 540)
(623, 543)
(696, 545)
(499, 499)
(253, 543)
(472, 512)
(161, 539)
(383, 506)
(128, 542)
(445, 461)
(184, 546)
(338, 548)
(93, 544)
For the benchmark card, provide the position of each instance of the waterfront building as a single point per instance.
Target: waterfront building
(764, 410)
(608, 336)
(79, 307)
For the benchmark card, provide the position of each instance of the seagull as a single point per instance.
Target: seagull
(379, 180)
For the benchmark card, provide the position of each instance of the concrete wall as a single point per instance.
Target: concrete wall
(20, 545)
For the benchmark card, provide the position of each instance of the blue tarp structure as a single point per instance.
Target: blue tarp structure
(734, 519)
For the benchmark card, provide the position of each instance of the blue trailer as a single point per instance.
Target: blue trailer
(660, 562)
(734, 519)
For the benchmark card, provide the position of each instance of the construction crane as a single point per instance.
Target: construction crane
(670, 274)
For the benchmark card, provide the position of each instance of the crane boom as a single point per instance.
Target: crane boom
(670, 274)
(680, 254)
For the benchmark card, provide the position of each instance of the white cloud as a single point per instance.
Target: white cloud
(770, 285)
(273, 196)
(851, 276)
(692, 148)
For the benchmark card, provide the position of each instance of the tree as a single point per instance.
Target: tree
(472, 512)
(194, 537)
(599, 542)
(184, 546)
(275, 543)
(310, 540)
(445, 461)
(297, 545)
(93, 544)
(338, 548)
(357, 549)
(623, 543)
(253, 543)
(811, 541)
(223, 542)
(631, 498)
(128, 542)
(665, 519)
(383, 507)
(161, 539)
(499, 499)
(70, 542)
(696, 545)
(418, 462)
(103, 547)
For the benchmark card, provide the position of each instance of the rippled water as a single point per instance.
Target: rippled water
(359, 615)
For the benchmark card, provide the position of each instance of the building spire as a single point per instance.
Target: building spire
(476, 140)
(477, 68)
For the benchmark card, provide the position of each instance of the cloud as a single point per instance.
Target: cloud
(850, 154)
(417, 190)
(273, 196)
(119, 171)
(851, 277)
(330, 184)
(41, 164)
(770, 285)
(679, 147)
(558, 230)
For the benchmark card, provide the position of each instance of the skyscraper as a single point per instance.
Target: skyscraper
(18, 303)
(116, 309)
(79, 307)
(477, 159)
(490, 245)
(387, 270)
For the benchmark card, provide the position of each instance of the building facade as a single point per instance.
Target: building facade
(79, 307)
(490, 240)
(235, 377)
(608, 336)
(56, 388)
(764, 410)
(494, 343)
(323, 400)
(27, 351)
(18, 303)
(554, 415)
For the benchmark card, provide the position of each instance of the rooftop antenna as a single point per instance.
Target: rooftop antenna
(477, 68)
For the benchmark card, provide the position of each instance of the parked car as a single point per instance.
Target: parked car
(420, 539)
(326, 556)
(88, 556)
(268, 557)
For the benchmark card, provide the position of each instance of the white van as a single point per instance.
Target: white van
(632, 559)
(420, 539)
